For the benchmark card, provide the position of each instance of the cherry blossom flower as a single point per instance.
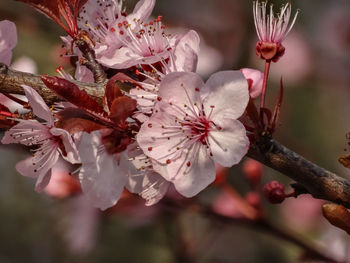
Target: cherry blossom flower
(103, 176)
(103, 20)
(271, 30)
(51, 141)
(183, 59)
(195, 124)
(8, 40)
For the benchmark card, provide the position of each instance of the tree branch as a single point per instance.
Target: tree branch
(11, 81)
(319, 182)
(316, 180)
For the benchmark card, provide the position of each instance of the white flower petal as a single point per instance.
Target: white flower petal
(181, 88)
(230, 144)
(38, 105)
(190, 180)
(186, 52)
(102, 177)
(227, 92)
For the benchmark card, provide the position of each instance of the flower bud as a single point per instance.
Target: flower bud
(274, 192)
(255, 81)
(253, 171)
(253, 198)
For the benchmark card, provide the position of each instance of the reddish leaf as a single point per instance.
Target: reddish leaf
(71, 92)
(75, 120)
(112, 89)
(55, 9)
(74, 125)
(121, 109)
(115, 141)
(277, 109)
(48, 7)
(265, 112)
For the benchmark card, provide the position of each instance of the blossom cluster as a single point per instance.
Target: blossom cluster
(158, 125)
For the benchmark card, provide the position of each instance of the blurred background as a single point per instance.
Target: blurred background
(314, 120)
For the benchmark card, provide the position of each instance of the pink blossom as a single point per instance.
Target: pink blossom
(148, 43)
(51, 141)
(8, 40)
(271, 30)
(103, 21)
(195, 124)
(184, 58)
(147, 182)
(62, 184)
(255, 80)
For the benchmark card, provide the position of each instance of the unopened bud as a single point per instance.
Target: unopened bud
(274, 192)
(253, 198)
(253, 171)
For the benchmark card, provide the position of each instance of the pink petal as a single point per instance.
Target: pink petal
(181, 88)
(154, 142)
(39, 166)
(71, 149)
(229, 145)
(25, 64)
(83, 74)
(228, 92)
(154, 187)
(38, 105)
(120, 58)
(26, 132)
(186, 52)
(102, 177)
(8, 36)
(257, 78)
(142, 11)
(190, 180)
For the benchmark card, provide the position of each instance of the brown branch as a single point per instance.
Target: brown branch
(311, 251)
(90, 62)
(319, 182)
(11, 81)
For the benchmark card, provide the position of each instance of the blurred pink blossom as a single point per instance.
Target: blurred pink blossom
(297, 62)
(303, 212)
(8, 40)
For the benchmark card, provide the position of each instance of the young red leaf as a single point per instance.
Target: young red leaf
(71, 92)
(112, 89)
(55, 9)
(76, 120)
(277, 109)
(47, 7)
(121, 109)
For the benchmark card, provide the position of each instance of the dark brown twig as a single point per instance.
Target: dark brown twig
(319, 182)
(90, 62)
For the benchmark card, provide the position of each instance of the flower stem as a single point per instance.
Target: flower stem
(263, 93)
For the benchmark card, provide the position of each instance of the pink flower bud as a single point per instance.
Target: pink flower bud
(274, 192)
(253, 198)
(255, 81)
(253, 171)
